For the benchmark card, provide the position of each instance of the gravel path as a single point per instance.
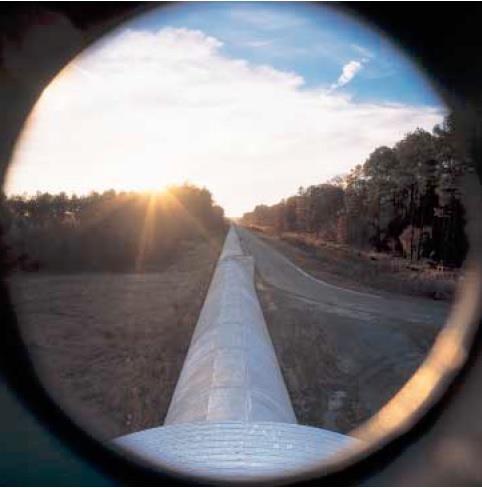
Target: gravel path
(343, 353)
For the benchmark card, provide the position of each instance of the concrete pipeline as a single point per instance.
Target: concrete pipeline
(231, 417)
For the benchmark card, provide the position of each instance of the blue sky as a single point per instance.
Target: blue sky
(315, 41)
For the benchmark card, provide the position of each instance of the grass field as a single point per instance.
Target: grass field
(110, 346)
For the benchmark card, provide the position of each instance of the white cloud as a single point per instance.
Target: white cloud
(146, 109)
(348, 72)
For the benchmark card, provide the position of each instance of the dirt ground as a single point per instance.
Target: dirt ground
(110, 347)
(333, 385)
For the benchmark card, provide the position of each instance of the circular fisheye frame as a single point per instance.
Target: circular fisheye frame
(237, 241)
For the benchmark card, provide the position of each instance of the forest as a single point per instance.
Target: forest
(109, 231)
(403, 200)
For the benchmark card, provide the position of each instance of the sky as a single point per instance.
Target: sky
(251, 100)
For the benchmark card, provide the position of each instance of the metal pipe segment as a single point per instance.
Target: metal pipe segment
(231, 417)
(231, 372)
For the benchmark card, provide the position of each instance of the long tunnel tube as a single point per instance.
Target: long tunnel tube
(231, 418)
(231, 371)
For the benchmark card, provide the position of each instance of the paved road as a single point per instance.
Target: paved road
(343, 353)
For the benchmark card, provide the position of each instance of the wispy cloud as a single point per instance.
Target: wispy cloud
(348, 72)
(169, 106)
(365, 52)
(258, 43)
(266, 19)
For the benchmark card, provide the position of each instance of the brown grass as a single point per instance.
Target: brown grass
(110, 347)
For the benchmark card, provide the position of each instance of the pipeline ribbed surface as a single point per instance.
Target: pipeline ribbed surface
(236, 450)
(231, 372)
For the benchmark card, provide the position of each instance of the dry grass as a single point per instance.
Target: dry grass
(109, 347)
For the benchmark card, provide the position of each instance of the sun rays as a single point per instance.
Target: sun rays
(161, 204)
(148, 229)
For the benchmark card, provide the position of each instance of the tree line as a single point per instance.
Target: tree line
(109, 231)
(404, 200)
